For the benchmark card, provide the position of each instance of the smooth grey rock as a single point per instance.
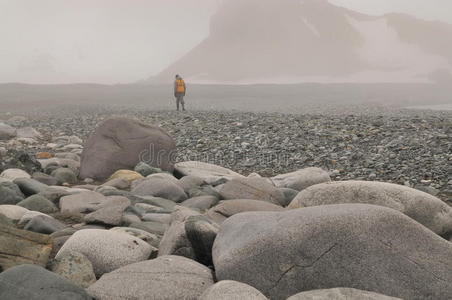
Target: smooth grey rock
(252, 188)
(76, 268)
(208, 172)
(301, 179)
(30, 215)
(228, 208)
(7, 132)
(190, 181)
(119, 183)
(166, 277)
(340, 294)
(44, 178)
(30, 186)
(36, 283)
(38, 203)
(151, 227)
(81, 203)
(201, 203)
(175, 241)
(54, 194)
(284, 253)
(13, 212)
(107, 250)
(10, 193)
(44, 224)
(13, 174)
(156, 217)
(109, 212)
(205, 190)
(120, 143)
(145, 169)
(160, 188)
(64, 175)
(229, 289)
(422, 207)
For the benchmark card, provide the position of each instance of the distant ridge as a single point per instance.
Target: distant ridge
(288, 41)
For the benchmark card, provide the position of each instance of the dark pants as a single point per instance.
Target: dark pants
(180, 99)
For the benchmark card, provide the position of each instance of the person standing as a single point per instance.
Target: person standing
(179, 91)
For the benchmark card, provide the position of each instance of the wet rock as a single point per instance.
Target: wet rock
(120, 143)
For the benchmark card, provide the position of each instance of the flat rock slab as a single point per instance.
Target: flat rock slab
(107, 250)
(362, 246)
(81, 203)
(31, 282)
(422, 207)
(167, 277)
(19, 247)
(252, 188)
(207, 172)
(340, 294)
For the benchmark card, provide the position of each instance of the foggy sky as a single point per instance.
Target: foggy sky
(121, 41)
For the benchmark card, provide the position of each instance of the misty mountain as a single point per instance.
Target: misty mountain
(283, 41)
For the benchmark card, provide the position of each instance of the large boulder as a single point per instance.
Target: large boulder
(252, 188)
(107, 250)
(22, 247)
(160, 188)
(422, 207)
(366, 247)
(35, 283)
(340, 294)
(207, 172)
(301, 179)
(228, 208)
(120, 143)
(229, 289)
(166, 277)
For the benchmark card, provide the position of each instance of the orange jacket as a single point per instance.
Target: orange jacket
(179, 86)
